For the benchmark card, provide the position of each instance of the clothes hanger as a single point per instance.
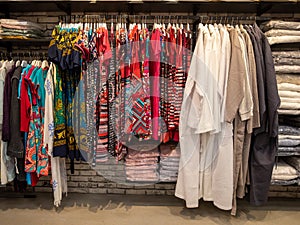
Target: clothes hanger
(11, 61)
(188, 29)
(4, 64)
(32, 62)
(164, 25)
(39, 63)
(45, 64)
(24, 62)
(112, 26)
(18, 63)
(160, 25)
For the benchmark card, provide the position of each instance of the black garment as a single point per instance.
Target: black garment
(260, 78)
(21, 176)
(6, 104)
(15, 144)
(264, 140)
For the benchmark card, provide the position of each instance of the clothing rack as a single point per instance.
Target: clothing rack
(21, 55)
(171, 18)
(90, 18)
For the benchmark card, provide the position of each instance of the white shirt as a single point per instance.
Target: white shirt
(222, 177)
(196, 118)
(200, 122)
(58, 167)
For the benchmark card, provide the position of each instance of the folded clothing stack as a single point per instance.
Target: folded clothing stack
(289, 141)
(279, 32)
(142, 166)
(287, 62)
(17, 29)
(294, 161)
(287, 67)
(169, 162)
(284, 174)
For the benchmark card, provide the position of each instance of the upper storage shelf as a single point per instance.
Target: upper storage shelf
(257, 7)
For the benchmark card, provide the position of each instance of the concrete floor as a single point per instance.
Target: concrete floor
(96, 209)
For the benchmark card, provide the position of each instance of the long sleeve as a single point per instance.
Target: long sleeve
(49, 118)
(15, 145)
(236, 78)
(6, 104)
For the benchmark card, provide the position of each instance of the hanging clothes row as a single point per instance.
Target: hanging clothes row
(135, 77)
(26, 56)
(18, 29)
(111, 86)
(229, 117)
(25, 154)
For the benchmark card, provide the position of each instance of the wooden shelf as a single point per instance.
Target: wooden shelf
(192, 6)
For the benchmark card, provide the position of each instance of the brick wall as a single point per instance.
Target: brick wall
(87, 180)
(111, 179)
(107, 178)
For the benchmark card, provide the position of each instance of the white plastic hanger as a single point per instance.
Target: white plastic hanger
(33, 62)
(12, 62)
(18, 63)
(45, 64)
(4, 64)
(24, 63)
(39, 63)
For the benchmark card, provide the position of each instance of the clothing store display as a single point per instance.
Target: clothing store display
(288, 130)
(284, 174)
(293, 161)
(289, 92)
(169, 163)
(202, 156)
(288, 151)
(288, 141)
(283, 39)
(288, 83)
(279, 32)
(287, 68)
(7, 162)
(58, 167)
(135, 92)
(142, 166)
(18, 29)
(286, 58)
(66, 57)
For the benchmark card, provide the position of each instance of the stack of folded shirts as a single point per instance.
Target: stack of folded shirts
(284, 174)
(294, 161)
(169, 162)
(288, 141)
(142, 166)
(279, 32)
(288, 82)
(17, 29)
(287, 62)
